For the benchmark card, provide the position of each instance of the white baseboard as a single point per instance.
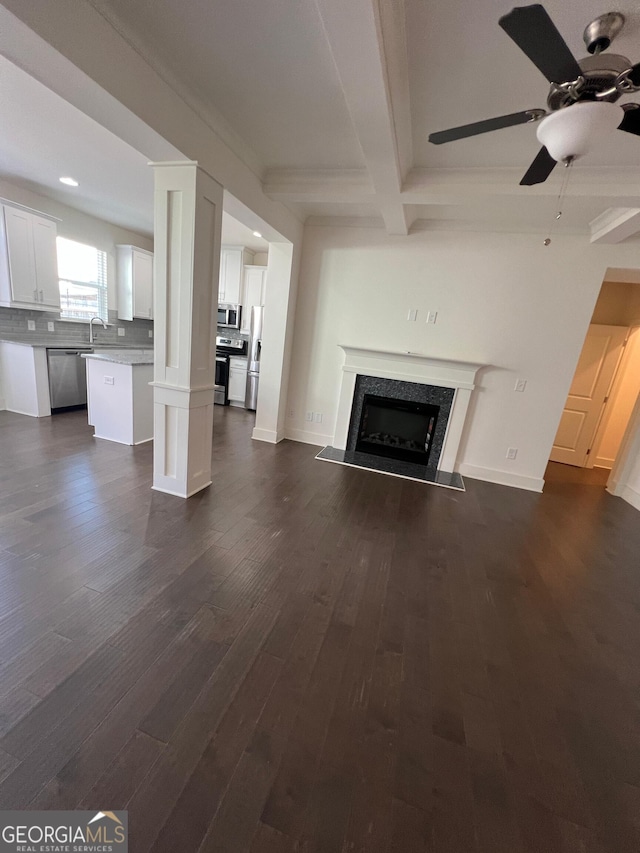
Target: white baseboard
(307, 437)
(268, 435)
(631, 496)
(502, 478)
(179, 494)
(603, 462)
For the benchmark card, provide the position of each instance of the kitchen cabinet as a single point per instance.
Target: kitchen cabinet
(28, 260)
(237, 380)
(120, 396)
(135, 283)
(232, 262)
(255, 278)
(24, 377)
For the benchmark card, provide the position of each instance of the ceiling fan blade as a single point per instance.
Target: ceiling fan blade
(534, 32)
(539, 170)
(631, 120)
(485, 126)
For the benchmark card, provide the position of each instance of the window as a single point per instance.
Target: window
(82, 273)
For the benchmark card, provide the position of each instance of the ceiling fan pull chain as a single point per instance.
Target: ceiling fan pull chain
(561, 196)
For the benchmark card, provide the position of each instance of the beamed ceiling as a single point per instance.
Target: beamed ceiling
(331, 103)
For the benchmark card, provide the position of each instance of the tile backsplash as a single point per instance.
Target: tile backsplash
(13, 326)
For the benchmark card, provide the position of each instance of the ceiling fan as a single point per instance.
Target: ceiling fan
(581, 101)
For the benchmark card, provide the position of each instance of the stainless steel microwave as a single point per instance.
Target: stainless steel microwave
(229, 315)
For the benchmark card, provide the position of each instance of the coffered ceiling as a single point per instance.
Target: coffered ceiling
(335, 102)
(331, 104)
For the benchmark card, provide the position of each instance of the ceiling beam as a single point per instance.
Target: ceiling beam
(442, 186)
(359, 42)
(615, 225)
(339, 186)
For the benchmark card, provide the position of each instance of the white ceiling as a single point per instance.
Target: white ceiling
(331, 105)
(234, 233)
(464, 68)
(45, 138)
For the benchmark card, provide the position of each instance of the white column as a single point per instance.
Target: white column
(187, 234)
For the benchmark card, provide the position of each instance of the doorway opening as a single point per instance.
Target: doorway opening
(605, 387)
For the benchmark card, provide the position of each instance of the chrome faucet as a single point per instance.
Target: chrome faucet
(104, 326)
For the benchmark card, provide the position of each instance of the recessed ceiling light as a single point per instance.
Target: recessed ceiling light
(257, 234)
(70, 182)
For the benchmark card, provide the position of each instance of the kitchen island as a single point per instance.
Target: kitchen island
(119, 396)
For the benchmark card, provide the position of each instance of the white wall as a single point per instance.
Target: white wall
(504, 300)
(81, 227)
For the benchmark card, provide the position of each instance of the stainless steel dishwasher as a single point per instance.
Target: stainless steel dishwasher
(67, 377)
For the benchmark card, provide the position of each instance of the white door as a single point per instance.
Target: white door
(142, 285)
(21, 262)
(594, 374)
(46, 262)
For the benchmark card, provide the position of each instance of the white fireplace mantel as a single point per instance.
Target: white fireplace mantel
(409, 367)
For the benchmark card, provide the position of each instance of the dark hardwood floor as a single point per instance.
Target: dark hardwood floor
(308, 657)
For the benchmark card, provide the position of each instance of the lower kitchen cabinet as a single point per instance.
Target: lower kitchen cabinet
(237, 380)
(24, 379)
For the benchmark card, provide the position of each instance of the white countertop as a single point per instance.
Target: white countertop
(131, 358)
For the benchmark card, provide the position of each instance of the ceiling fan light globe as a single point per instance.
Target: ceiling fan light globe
(573, 131)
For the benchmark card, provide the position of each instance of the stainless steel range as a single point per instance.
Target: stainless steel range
(225, 347)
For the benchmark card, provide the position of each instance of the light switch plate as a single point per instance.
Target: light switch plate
(412, 316)
(432, 316)
(120, 332)
(108, 380)
(31, 325)
(520, 385)
(150, 333)
(50, 326)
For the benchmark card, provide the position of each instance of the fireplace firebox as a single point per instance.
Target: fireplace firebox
(399, 429)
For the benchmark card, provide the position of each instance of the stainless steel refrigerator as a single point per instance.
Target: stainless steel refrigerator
(255, 351)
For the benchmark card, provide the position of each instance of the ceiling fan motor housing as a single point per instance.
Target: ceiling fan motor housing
(600, 74)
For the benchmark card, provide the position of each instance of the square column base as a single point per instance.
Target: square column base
(183, 429)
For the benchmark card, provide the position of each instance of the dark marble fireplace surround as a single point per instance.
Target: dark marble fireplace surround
(413, 392)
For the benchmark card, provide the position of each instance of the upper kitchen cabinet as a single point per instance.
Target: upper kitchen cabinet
(232, 263)
(255, 278)
(135, 283)
(28, 260)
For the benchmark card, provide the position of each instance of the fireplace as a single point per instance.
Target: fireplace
(397, 429)
(393, 419)
(428, 387)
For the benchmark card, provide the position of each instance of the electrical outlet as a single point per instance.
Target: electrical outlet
(512, 452)
(31, 325)
(432, 316)
(50, 326)
(292, 413)
(150, 333)
(120, 332)
(520, 385)
(108, 380)
(317, 417)
(309, 416)
(412, 316)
